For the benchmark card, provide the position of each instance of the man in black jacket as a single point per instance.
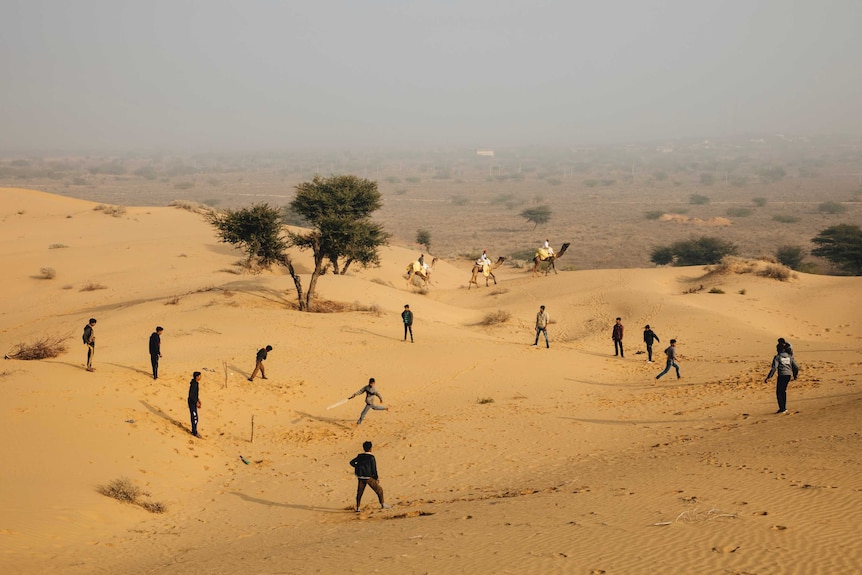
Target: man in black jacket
(258, 365)
(649, 338)
(156, 350)
(407, 318)
(365, 467)
(194, 401)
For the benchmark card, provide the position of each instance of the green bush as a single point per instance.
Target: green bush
(738, 212)
(704, 250)
(759, 201)
(653, 214)
(790, 256)
(698, 199)
(831, 208)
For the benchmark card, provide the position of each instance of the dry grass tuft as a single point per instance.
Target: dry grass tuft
(382, 282)
(116, 211)
(47, 347)
(485, 400)
(190, 206)
(92, 286)
(777, 272)
(370, 308)
(327, 306)
(57, 246)
(173, 301)
(124, 490)
(47, 274)
(495, 317)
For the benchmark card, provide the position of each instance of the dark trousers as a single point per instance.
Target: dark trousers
(193, 412)
(618, 347)
(649, 352)
(408, 327)
(542, 330)
(154, 361)
(781, 391)
(373, 484)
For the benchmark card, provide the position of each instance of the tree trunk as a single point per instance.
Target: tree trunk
(346, 265)
(297, 281)
(312, 285)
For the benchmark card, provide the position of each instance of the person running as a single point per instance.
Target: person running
(258, 362)
(617, 336)
(670, 352)
(370, 392)
(649, 338)
(407, 318)
(786, 366)
(542, 321)
(156, 350)
(90, 341)
(365, 468)
(194, 401)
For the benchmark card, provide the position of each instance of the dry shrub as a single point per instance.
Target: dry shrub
(327, 306)
(716, 290)
(47, 274)
(173, 301)
(777, 272)
(733, 265)
(46, 347)
(190, 206)
(92, 286)
(124, 490)
(485, 400)
(371, 308)
(57, 246)
(495, 317)
(382, 282)
(115, 211)
(231, 271)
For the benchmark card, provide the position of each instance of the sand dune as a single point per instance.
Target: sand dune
(498, 457)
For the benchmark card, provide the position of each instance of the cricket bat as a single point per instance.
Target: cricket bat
(337, 403)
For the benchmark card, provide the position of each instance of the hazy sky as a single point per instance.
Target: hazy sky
(211, 75)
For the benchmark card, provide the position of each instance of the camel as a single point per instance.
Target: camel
(415, 269)
(487, 271)
(540, 257)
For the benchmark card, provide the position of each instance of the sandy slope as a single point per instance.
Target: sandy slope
(580, 464)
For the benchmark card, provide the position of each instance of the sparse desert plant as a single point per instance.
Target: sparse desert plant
(173, 301)
(785, 219)
(423, 238)
(57, 246)
(414, 179)
(716, 290)
(485, 400)
(759, 201)
(831, 208)
(707, 178)
(653, 214)
(125, 491)
(234, 271)
(737, 212)
(741, 292)
(369, 308)
(190, 206)
(92, 286)
(116, 211)
(44, 348)
(47, 273)
(495, 317)
(662, 256)
(400, 191)
(392, 180)
(777, 272)
(841, 245)
(698, 199)
(538, 215)
(790, 256)
(459, 200)
(184, 185)
(679, 211)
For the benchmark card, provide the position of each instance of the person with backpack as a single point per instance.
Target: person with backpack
(365, 468)
(89, 338)
(786, 366)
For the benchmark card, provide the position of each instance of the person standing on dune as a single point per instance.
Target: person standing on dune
(649, 338)
(90, 341)
(542, 321)
(617, 336)
(407, 318)
(786, 366)
(156, 350)
(365, 468)
(194, 401)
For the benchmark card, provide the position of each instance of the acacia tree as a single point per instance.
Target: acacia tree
(258, 231)
(423, 238)
(339, 210)
(537, 215)
(841, 245)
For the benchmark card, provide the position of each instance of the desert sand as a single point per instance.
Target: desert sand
(496, 456)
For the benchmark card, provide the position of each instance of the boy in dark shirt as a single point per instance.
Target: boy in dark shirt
(258, 362)
(649, 338)
(365, 467)
(194, 401)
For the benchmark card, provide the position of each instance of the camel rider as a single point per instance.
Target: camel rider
(422, 263)
(483, 260)
(548, 247)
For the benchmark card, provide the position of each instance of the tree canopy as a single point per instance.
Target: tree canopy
(256, 229)
(694, 252)
(537, 215)
(841, 245)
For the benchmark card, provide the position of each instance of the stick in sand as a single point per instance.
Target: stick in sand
(337, 403)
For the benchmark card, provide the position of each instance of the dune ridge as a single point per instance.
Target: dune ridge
(497, 457)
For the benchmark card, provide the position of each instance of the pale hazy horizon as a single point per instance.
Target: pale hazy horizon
(224, 77)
